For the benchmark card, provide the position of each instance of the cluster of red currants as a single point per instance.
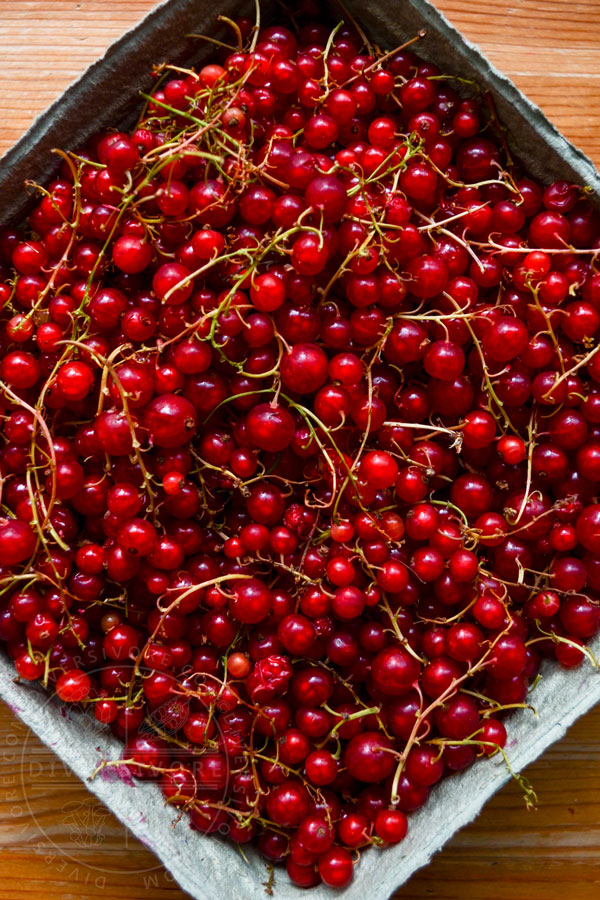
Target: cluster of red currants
(301, 438)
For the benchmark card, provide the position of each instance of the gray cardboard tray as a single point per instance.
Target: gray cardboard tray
(206, 867)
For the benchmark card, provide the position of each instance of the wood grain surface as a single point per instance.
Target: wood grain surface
(56, 840)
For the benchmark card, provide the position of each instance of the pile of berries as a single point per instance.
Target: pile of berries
(300, 452)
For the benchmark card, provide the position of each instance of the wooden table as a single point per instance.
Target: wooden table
(56, 841)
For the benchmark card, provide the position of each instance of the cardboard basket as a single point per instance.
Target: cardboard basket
(107, 94)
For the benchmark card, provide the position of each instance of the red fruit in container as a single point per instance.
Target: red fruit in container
(300, 455)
